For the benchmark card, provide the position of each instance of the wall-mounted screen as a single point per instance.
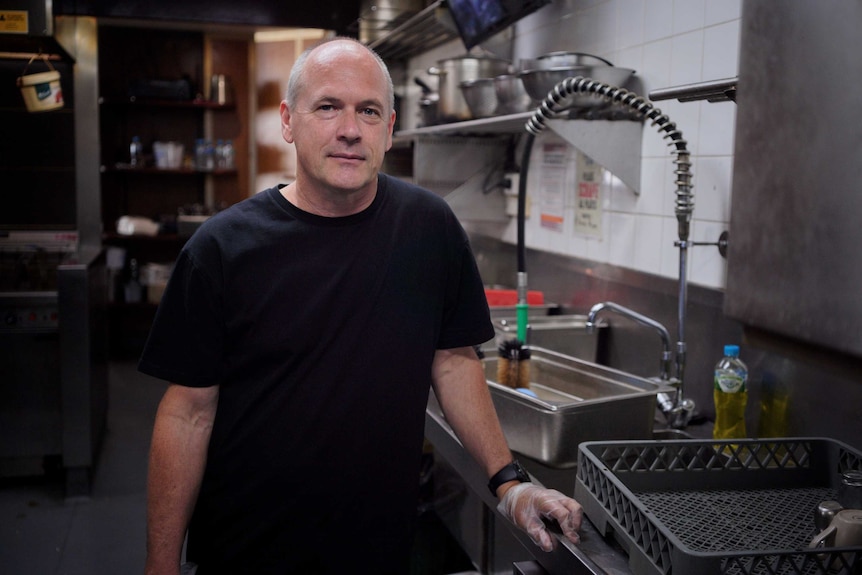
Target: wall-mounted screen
(478, 20)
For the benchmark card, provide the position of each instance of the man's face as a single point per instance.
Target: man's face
(342, 122)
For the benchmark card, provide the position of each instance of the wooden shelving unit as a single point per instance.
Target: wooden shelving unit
(133, 63)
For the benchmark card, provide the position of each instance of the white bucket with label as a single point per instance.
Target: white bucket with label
(41, 91)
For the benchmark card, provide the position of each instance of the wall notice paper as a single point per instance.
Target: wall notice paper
(588, 200)
(552, 185)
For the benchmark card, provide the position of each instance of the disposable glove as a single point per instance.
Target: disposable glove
(526, 505)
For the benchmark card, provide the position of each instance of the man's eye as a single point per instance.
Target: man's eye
(370, 112)
(327, 107)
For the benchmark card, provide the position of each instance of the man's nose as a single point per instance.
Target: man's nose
(348, 125)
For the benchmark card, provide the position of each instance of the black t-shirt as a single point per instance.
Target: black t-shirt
(321, 333)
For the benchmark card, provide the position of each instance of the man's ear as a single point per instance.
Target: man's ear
(286, 131)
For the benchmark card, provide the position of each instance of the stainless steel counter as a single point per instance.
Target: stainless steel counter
(594, 555)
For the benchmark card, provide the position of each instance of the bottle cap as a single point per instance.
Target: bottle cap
(731, 350)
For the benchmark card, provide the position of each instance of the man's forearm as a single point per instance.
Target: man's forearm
(177, 460)
(459, 382)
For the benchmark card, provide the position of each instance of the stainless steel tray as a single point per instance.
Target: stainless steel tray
(575, 400)
(695, 506)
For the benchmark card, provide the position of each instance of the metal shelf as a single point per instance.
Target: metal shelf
(714, 91)
(508, 124)
(412, 34)
(614, 144)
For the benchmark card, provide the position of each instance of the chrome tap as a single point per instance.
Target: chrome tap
(666, 356)
(676, 409)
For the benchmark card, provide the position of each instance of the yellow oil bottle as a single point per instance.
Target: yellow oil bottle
(730, 395)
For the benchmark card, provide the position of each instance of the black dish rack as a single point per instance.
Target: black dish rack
(730, 507)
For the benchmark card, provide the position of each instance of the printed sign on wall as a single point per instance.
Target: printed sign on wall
(552, 184)
(588, 197)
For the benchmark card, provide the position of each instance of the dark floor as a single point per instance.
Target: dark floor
(44, 533)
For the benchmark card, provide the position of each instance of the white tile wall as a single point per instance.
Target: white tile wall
(668, 43)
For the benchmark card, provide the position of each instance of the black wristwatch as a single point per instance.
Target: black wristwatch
(511, 472)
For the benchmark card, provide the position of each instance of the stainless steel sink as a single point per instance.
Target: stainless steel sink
(575, 401)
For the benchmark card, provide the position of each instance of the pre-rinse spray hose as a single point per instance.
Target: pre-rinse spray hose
(522, 310)
(556, 102)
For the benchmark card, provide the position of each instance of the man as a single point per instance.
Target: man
(301, 329)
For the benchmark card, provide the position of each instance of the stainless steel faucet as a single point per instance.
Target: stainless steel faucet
(666, 356)
(676, 409)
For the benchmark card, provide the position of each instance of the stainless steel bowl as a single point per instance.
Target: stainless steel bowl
(481, 97)
(539, 82)
(512, 97)
(562, 59)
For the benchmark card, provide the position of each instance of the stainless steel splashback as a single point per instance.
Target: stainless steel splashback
(795, 254)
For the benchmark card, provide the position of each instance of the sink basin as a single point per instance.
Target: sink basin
(576, 401)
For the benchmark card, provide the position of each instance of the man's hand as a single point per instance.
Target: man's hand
(526, 505)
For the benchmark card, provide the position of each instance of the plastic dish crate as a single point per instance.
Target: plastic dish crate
(703, 507)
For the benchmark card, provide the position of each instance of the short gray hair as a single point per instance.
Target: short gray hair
(296, 80)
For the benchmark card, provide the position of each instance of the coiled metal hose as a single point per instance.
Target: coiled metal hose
(555, 102)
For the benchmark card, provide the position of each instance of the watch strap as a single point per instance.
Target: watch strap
(510, 472)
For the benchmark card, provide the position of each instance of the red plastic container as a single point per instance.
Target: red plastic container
(509, 297)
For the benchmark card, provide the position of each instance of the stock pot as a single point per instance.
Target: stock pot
(451, 72)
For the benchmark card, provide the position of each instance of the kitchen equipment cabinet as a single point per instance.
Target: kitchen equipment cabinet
(794, 266)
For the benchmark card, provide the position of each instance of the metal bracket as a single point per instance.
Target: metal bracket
(721, 244)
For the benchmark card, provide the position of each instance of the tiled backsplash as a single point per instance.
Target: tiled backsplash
(668, 43)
